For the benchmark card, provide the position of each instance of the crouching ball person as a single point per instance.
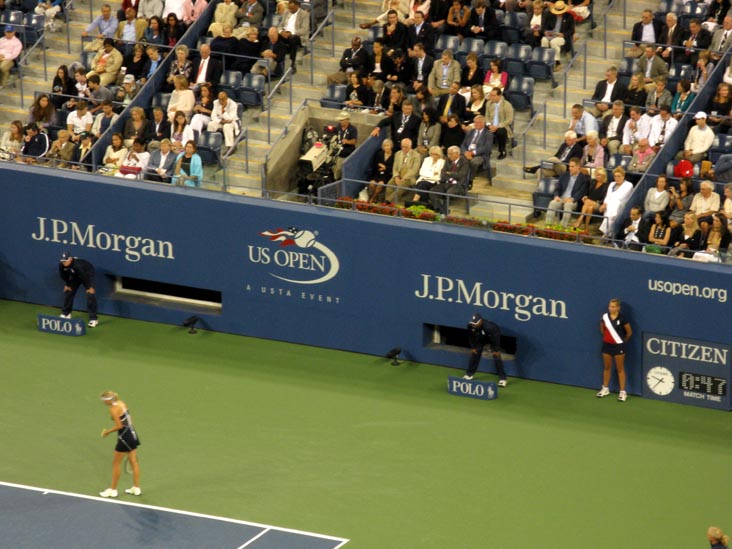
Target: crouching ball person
(482, 333)
(76, 272)
(127, 443)
(616, 332)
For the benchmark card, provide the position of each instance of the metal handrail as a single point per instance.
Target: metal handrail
(311, 41)
(565, 73)
(23, 60)
(523, 134)
(287, 77)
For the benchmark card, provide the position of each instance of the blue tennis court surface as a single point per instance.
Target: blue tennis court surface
(34, 518)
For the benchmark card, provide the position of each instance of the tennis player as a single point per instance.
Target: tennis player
(616, 332)
(127, 443)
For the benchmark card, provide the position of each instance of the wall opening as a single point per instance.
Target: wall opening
(450, 338)
(153, 293)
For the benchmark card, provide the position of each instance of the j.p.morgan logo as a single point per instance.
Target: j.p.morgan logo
(299, 258)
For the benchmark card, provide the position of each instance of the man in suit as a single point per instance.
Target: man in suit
(407, 162)
(721, 39)
(670, 36)
(482, 22)
(404, 125)
(499, 114)
(206, 69)
(477, 147)
(162, 162)
(607, 91)
(421, 67)
(62, 150)
(159, 128)
(571, 148)
(647, 30)
(651, 66)
(696, 37)
(82, 159)
(421, 33)
(354, 59)
(451, 103)
(396, 34)
(130, 30)
(295, 29)
(636, 229)
(274, 52)
(444, 74)
(572, 186)
(251, 14)
(611, 129)
(454, 179)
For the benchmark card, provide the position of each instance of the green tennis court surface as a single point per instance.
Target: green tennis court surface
(351, 447)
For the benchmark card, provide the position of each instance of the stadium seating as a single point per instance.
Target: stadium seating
(520, 93)
(251, 91)
(514, 23)
(334, 97)
(541, 65)
(517, 56)
(209, 147)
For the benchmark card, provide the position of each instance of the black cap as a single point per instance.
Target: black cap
(476, 319)
(65, 256)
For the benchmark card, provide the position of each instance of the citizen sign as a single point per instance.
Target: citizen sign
(63, 326)
(299, 258)
(483, 390)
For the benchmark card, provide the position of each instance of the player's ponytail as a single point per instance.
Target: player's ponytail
(716, 533)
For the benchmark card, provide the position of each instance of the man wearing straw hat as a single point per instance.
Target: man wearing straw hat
(558, 31)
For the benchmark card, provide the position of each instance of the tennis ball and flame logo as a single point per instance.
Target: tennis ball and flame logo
(308, 255)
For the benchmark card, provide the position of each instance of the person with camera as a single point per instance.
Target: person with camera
(345, 143)
(481, 333)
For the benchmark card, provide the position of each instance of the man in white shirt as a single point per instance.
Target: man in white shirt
(698, 141)
(79, 121)
(638, 126)
(611, 129)
(224, 117)
(662, 126)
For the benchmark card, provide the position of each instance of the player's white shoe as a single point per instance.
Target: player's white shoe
(65, 316)
(108, 493)
(622, 396)
(134, 491)
(93, 323)
(603, 392)
(502, 383)
(466, 376)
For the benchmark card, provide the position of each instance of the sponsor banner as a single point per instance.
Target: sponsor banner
(687, 371)
(63, 326)
(483, 390)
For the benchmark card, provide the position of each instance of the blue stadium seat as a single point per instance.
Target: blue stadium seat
(618, 160)
(33, 28)
(520, 93)
(516, 58)
(446, 42)
(230, 82)
(251, 91)
(541, 65)
(86, 59)
(628, 66)
(514, 24)
(722, 145)
(209, 147)
(334, 97)
(474, 45)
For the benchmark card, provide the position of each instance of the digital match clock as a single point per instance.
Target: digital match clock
(706, 384)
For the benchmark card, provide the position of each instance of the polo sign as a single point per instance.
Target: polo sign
(483, 390)
(63, 326)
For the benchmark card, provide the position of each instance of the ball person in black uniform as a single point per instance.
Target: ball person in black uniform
(482, 333)
(616, 332)
(76, 272)
(127, 443)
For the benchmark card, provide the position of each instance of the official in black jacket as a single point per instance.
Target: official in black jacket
(404, 124)
(482, 333)
(76, 272)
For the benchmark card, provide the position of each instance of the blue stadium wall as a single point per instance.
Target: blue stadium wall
(348, 281)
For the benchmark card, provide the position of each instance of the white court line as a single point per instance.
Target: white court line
(176, 511)
(254, 539)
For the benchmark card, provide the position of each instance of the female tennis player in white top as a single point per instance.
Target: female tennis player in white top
(127, 443)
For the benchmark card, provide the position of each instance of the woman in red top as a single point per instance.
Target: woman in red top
(616, 331)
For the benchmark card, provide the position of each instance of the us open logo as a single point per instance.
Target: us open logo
(299, 258)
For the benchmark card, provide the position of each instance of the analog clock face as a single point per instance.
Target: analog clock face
(660, 380)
